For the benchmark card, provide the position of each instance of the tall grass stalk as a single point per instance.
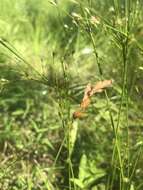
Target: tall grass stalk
(124, 44)
(117, 146)
(14, 51)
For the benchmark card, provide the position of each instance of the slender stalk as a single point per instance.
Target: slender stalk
(8, 46)
(124, 45)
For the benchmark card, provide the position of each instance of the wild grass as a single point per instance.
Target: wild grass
(49, 52)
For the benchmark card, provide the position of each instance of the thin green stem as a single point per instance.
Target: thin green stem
(14, 51)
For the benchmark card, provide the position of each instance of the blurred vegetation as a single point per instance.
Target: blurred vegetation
(49, 51)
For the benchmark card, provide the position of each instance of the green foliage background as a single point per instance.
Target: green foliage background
(49, 52)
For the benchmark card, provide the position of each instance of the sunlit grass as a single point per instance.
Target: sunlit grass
(49, 52)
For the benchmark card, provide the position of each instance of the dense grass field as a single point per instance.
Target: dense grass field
(71, 95)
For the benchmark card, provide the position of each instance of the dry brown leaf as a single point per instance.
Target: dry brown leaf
(78, 114)
(85, 103)
(100, 86)
(89, 91)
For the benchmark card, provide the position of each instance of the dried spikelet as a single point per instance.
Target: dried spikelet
(95, 20)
